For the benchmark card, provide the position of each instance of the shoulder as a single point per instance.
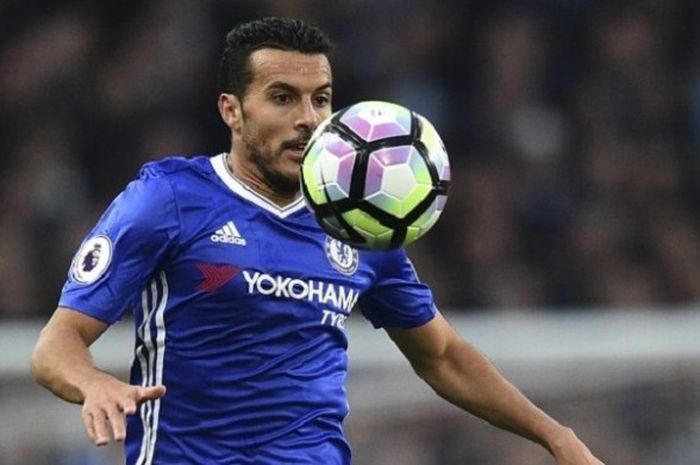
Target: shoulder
(387, 262)
(154, 193)
(175, 166)
(177, 177)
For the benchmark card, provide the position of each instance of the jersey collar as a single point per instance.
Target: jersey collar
(222, 170)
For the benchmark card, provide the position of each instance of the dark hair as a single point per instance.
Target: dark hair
(280, 33)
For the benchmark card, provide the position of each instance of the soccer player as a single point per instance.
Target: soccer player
(239, 298)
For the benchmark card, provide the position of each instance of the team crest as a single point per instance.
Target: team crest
(92, 260)
(341, 256)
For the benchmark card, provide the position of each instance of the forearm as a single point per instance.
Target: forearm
(464, 377)
(62, 362)
(461, 374)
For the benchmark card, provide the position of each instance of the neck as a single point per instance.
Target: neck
(255, 180)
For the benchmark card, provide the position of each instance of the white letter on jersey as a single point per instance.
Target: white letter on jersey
(333, 318)
(347, 298)
(251, 280)
(315, 291)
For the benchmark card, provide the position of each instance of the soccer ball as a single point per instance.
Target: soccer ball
(375, 175)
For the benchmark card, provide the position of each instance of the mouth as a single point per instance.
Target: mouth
(296, 148)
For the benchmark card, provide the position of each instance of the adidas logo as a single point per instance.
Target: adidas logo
(228, 234)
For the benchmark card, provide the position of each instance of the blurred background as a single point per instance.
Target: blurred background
(573, 129)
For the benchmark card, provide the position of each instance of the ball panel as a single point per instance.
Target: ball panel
(359, 219)
(327, 168)
(373, 177)
(376, 235)
(375, 120)
(389, 171)
(420, 170)
(399, 192)
(376, 241)
(398, 181)
(405, 180)
(412, 233)
(436, 149)
(310, 187)
(430, 216)
(414, 198)
(368, 232)
(346, 167)
(393, 155)
(386, 202)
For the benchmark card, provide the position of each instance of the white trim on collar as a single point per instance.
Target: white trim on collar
(222, 170)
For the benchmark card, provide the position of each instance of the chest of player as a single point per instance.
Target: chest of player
(255, 266)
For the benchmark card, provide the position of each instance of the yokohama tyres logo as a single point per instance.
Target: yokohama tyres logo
(324, 293)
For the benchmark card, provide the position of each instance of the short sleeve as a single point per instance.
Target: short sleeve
(398, 299)
(124, 250)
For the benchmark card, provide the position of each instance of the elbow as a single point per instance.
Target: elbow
(433, 374)
(38, 365)
(446, 373)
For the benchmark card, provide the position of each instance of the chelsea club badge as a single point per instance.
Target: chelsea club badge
(341, 256)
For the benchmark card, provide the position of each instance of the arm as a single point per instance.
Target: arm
(62, 362)
(462, 375)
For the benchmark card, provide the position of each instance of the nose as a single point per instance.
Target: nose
(308, 116)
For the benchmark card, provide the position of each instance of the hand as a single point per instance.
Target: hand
(569, 450)
(106, 403)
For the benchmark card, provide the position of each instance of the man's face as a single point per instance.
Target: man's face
(290, 94)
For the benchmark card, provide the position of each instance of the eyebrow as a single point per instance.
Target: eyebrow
(284, 86)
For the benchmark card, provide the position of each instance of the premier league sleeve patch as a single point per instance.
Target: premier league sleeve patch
(92, 260)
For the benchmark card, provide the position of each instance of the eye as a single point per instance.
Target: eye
(282, 98)
(322, 100)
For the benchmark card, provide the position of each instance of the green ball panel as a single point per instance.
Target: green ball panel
(429, 216)
(400, 207)
(420, 171)
(315, 189)
(414, 198)
(376, 242)
(412, 233)
(386, 202)
(360, 219)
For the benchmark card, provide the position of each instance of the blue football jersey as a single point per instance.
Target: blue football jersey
(239, 309)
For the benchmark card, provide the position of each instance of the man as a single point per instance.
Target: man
(232, 282)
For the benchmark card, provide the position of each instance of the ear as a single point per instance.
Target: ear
(231, 111)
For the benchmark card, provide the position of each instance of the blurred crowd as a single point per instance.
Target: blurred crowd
(573, 128)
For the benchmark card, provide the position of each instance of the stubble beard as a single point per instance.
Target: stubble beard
(264, 159)
(264, 162)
